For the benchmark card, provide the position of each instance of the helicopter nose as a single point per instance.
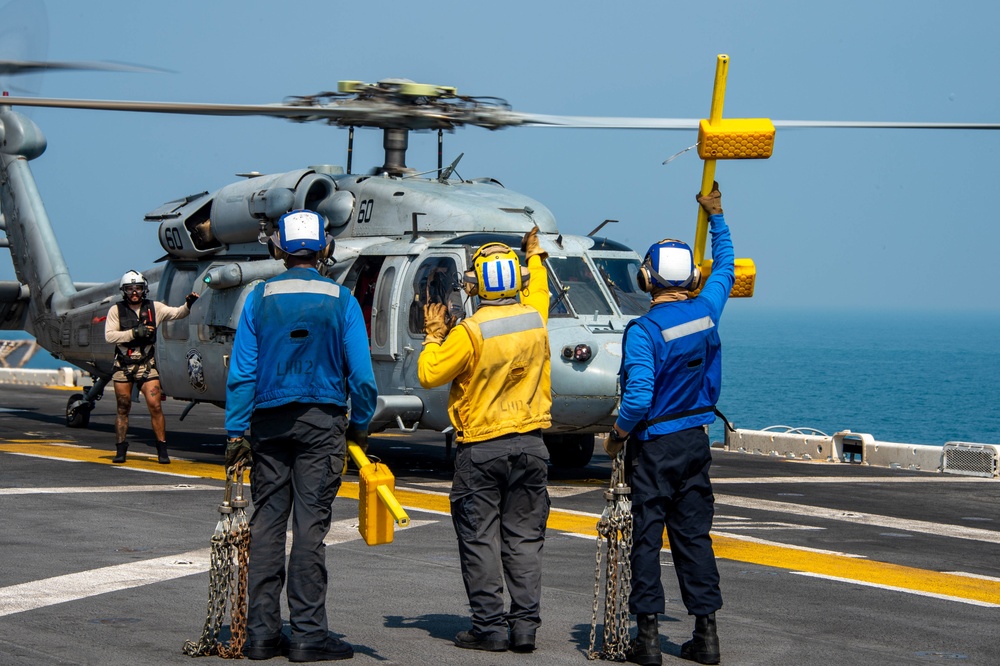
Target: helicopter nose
(585, 376)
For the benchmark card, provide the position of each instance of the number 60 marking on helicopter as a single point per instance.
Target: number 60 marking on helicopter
(365, 211)
(172, 239)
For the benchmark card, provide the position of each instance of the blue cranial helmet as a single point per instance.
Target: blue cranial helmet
(300, 232)
(669, 264)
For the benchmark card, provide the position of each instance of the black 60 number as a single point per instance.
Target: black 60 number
(172, 238)
(365, 211)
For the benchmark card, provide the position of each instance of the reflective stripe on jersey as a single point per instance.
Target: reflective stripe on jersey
(516, 324)
(687, 328)
(301, 287)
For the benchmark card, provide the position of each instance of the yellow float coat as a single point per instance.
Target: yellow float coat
(498, 363)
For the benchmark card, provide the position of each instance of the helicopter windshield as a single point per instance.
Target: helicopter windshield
(584, 293)
(619, 278)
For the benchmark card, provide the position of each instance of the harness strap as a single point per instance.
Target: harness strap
(123, 360)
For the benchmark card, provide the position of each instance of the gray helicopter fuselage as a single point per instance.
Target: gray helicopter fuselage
(398, 230)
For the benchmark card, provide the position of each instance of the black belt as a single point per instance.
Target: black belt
(646, 425)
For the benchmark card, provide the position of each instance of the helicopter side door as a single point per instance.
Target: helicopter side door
(433, 277)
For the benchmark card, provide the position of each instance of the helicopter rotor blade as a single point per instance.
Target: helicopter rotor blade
(605, 122)
(374, 113)
(16, 67)
(849, 124)
(601, 122)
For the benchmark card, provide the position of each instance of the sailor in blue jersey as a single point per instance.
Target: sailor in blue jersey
(670, 378)
(301, 351)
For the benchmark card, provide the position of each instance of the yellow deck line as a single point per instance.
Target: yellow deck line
(783, 557)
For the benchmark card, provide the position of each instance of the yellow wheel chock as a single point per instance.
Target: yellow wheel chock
(378, 509)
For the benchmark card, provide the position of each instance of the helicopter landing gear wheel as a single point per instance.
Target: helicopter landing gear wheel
(572, 450)
(77, 411)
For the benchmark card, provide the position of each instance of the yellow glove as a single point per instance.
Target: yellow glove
(711, 202)
(435, 322)
(531, 247)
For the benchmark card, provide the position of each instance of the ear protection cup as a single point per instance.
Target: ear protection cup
(469, 283)
(327, 250)
(695, 279)
(275, 251)
(642, 279)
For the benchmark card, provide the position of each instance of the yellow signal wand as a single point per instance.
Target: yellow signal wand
(708, 172)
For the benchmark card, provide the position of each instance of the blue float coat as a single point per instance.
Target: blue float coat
(301, 338)
(660, 348)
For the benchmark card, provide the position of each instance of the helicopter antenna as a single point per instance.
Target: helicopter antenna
(350, 148)
(601, 226)
(444, 175)
(440, 151)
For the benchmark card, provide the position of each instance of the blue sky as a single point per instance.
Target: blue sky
(836, 219)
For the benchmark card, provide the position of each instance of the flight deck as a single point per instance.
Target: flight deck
(821, 562)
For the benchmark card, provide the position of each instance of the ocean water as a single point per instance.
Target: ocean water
(917, 378)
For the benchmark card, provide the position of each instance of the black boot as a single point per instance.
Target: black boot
(645, 649)
(704, 644)
(122, 449)
(161, 453)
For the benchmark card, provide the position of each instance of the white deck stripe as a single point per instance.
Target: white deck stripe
(929, 478)
(101, 489)
(972, 575)
(72, 587)
(922, 526)
(897, 589)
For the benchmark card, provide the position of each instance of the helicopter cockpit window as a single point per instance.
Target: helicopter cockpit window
(584, 293)
(619, 278)
(435, 281)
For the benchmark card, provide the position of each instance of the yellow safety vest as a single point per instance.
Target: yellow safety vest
(508, 389)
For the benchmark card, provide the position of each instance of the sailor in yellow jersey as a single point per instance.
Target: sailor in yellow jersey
(497, 361)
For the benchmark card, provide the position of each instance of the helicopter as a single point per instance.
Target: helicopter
(402, 239)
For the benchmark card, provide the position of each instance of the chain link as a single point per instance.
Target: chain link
(614, 535)
(227, 580)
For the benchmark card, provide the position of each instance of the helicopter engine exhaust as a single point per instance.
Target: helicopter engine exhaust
(239, 209)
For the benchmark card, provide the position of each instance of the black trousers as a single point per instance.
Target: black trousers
(499, 505)
(671, 487)
(298, 460)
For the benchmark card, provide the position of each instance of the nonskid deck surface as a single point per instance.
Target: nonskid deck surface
(821, 563)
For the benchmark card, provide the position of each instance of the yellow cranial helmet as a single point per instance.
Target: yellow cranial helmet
(496, 273)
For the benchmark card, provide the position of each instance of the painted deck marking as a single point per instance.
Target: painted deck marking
(897, 589)
(71, 587)
(804, 561)
(104, 489)
(921, 526)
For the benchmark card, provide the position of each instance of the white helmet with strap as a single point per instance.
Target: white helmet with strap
(134, 278)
